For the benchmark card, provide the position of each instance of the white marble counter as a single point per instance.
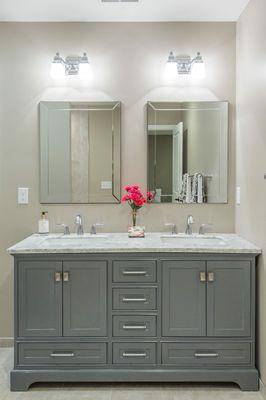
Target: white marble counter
(121, 243)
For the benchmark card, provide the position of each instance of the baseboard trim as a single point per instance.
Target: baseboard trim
(6, 342)
(263, 389)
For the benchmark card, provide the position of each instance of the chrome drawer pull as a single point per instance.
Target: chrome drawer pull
(129, 327)
(132, 300)
(134, 273)
(206, 355)
(62, 354)
(125, 354)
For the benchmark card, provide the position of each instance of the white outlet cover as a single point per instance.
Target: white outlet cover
(23, 195)
(106, 185)
(238, 195)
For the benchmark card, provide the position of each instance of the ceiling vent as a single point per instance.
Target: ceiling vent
(120, 1)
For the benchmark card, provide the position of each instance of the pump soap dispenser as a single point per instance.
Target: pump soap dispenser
(44, 223)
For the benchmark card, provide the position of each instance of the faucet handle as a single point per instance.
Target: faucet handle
(171, 225)
(190, 220)
(203, 227)
(78, 219)
(78, 222)
(95, 226)
(66, 228)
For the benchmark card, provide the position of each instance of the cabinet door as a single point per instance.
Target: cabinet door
(228, 298)
(183, 298)
(84, 298)
(39, 298)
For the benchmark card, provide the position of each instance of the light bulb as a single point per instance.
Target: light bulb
(170, 66)
(57, 70)
(198, 70)
(170, 69)
(85, 70)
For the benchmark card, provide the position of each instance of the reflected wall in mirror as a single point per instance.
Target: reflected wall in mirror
(80, 152)
(188, 151)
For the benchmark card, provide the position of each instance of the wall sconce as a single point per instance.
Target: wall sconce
(185, 65)
(70, 66)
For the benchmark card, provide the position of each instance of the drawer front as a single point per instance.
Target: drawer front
(134, 353)
(134, 325)
(134, 299)
(182, 354)
(134, 271)
(45, 354)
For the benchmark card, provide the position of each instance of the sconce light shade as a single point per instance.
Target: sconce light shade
(84, 67)
(198, 69)
(170, 66)
(57, 70)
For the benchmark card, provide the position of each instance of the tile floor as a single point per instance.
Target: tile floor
(116, 391)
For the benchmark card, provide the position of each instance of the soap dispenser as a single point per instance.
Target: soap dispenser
(44, 223)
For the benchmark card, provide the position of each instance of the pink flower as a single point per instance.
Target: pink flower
(126, 197)
(135, 198)
(149, 195)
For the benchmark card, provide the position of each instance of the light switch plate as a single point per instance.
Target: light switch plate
(23, 195)
(106, 184)
(238, 195)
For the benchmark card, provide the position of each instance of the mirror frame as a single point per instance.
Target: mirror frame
(224, 137)
(110, 105)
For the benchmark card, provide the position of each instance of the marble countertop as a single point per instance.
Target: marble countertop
(121, 243)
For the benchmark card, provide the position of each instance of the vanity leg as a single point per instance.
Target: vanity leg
(19, 381)
(248, 381)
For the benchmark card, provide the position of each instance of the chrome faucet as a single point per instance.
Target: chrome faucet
(190, 222)
(78, 222)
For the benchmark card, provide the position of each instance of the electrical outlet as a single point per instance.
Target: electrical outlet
(23, 195)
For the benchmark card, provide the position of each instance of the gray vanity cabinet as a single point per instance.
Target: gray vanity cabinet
(183, 298)
(206, 299)
(126, 317)
(40, 298)
(228, 298)
(62, 298)
(84, 298)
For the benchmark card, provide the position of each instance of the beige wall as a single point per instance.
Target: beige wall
(251, 144)
(128, 61)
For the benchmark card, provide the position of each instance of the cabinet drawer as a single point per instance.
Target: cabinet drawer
(134, 298)
(134, 353)
(134, 271)
(193, 354)
(134, 325)
(43, 354)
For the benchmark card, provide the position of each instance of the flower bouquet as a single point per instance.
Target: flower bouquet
(136, 201)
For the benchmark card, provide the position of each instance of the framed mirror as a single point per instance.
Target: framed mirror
(80, 152)
(188, 151)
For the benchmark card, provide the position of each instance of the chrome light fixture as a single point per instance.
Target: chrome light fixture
(72, 65)
(185, 65)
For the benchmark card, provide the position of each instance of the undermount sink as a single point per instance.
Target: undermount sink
(194, 238)
(61, 239)
(84, 236)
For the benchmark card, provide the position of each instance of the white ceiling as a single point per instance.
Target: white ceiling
(146, 10)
